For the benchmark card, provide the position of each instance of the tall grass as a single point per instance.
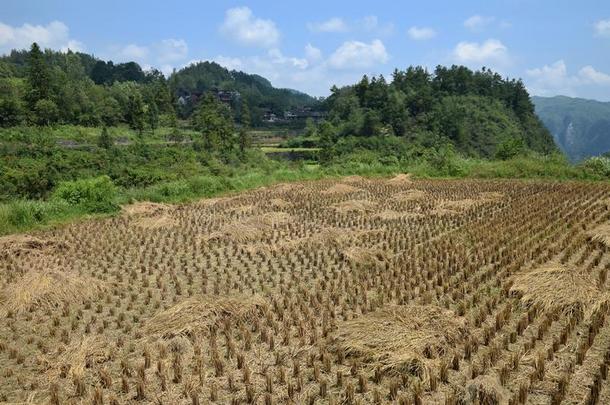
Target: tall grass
(23, 215)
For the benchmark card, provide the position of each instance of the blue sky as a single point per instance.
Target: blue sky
(556, 46)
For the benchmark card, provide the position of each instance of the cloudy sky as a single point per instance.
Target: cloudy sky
(555, 46)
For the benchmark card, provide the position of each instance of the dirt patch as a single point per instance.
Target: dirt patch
(557, 287)
(49, 289)
(401, 339)
(199, 315)
(601, 234)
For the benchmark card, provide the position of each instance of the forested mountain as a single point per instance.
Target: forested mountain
(480, 113)
(80, 89)
(580, 127)
(261, 96)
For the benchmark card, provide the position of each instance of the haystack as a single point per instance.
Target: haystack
(400, 179)
(557, 287)
(601, 234)
(409, 195)
(360, 206)
(353, 179)
(88, 352)
(20, 245)
(49, 289)
(277, 203)
(401, 339)
(390, 215)
(150, 215)
(491, 196)
(340, 189)
(363, 257)
(198, 315)
(144, 208)
(457, 205)
(250, 229)
(156, 222)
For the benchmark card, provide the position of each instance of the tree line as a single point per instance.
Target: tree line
(479, 112)
(47, 87)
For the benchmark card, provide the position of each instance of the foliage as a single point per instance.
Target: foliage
(93, 195)
(477, 112)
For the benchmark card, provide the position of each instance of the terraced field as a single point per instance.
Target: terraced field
(354, 291)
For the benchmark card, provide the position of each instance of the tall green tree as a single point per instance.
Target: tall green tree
(244, 134)
(153, 116)
(213, 119)
(136, 112)
(104, 141)
(38, 77)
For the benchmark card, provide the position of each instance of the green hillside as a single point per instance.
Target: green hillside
(580, 127)
(479, 113)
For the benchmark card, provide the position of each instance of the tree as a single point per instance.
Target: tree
(135, 112)
(214, 120)
(153, 116)
(38, 77)
(105, 141)
(45, 112)
(327, 142)
(244, 134)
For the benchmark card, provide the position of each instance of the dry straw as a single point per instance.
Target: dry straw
(401, 339)
(199, 315)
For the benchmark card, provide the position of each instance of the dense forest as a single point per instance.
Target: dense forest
(479, 113)
(47, 87)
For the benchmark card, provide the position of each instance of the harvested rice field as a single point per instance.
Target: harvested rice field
(354, 291)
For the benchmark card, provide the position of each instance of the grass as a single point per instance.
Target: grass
(25, 215)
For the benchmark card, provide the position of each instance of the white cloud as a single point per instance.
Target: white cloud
(371, 23)
(229, 62)
(478, 22)
(54, 35)
(554, 79)
(589, 75)
(491, 52)
(421, 33)
(163, 55)
(133, 52)
(312, 54)
(602, 28)
(356, 54)
(276, 56)
(243, 27)
(171, 50)
(334, 24)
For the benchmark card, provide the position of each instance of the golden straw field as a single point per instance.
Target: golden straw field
(351, 291)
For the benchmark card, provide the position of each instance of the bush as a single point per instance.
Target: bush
(91, 195)
(597, 167)
(23, 214)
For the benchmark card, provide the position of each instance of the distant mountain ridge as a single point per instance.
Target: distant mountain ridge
(580, 127)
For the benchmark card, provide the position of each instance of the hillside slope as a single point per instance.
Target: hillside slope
(580, 127)
(480, 113)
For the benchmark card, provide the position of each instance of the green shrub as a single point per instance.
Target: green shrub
(91, 195)
(597, 167)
